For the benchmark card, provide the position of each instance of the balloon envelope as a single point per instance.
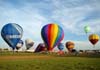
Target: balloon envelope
(40, 47)
(29, 43)
(87, 29)
(19, 44)
(93, 38)
(52, 34)
(61, 46)
(12, 34)
(70, 45)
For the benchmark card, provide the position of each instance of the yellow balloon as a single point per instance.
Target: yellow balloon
(93, 38)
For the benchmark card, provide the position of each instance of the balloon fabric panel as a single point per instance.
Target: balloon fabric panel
(44, 35)
(60, 36)
(53, 35)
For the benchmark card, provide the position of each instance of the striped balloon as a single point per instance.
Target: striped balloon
(93, 38)
(52, 34)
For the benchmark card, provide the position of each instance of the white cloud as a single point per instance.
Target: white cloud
(71, 17)
(28, 18)
(84, 45)
(69, 13)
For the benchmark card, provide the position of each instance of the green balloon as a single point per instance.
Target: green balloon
(87, 29)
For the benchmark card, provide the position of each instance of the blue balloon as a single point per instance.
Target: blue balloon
(61, 46)
(12, 34)
(19, 44)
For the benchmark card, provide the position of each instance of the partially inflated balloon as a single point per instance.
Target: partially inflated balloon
(70, 45)
(19, 44)
(94, 38)
(29, 43)
(12, 34)
(41, 47)
(73, 50)
(52, 34)
(61, 46)
(87, 29)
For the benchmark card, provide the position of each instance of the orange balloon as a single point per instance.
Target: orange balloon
(70, 45)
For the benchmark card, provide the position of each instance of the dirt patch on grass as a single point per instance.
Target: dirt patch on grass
(24, 57)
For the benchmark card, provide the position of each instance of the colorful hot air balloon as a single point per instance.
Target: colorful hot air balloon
(41, 47)
(93, 38)
(70, 45)
(19, 44)
(52, 35)
(29, 43)
(87, 29)
(12, 34)
(61, 46)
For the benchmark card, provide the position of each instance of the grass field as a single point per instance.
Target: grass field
(37, 61)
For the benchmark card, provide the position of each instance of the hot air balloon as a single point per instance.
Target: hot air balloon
(29, 43)
(61, 46)
(94, 38)
(52, 35)
(19, 44)
(41, 47)
(87, 29)
(70, 45)
(12, 34)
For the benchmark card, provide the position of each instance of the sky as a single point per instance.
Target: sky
(71, 15)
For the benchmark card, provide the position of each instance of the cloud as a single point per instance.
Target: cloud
(26, 16)
(84, 45)
(75, 13)
(32, 15)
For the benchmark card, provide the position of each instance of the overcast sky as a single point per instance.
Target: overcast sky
(71, 15)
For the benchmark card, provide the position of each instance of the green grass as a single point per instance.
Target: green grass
(48, 62)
